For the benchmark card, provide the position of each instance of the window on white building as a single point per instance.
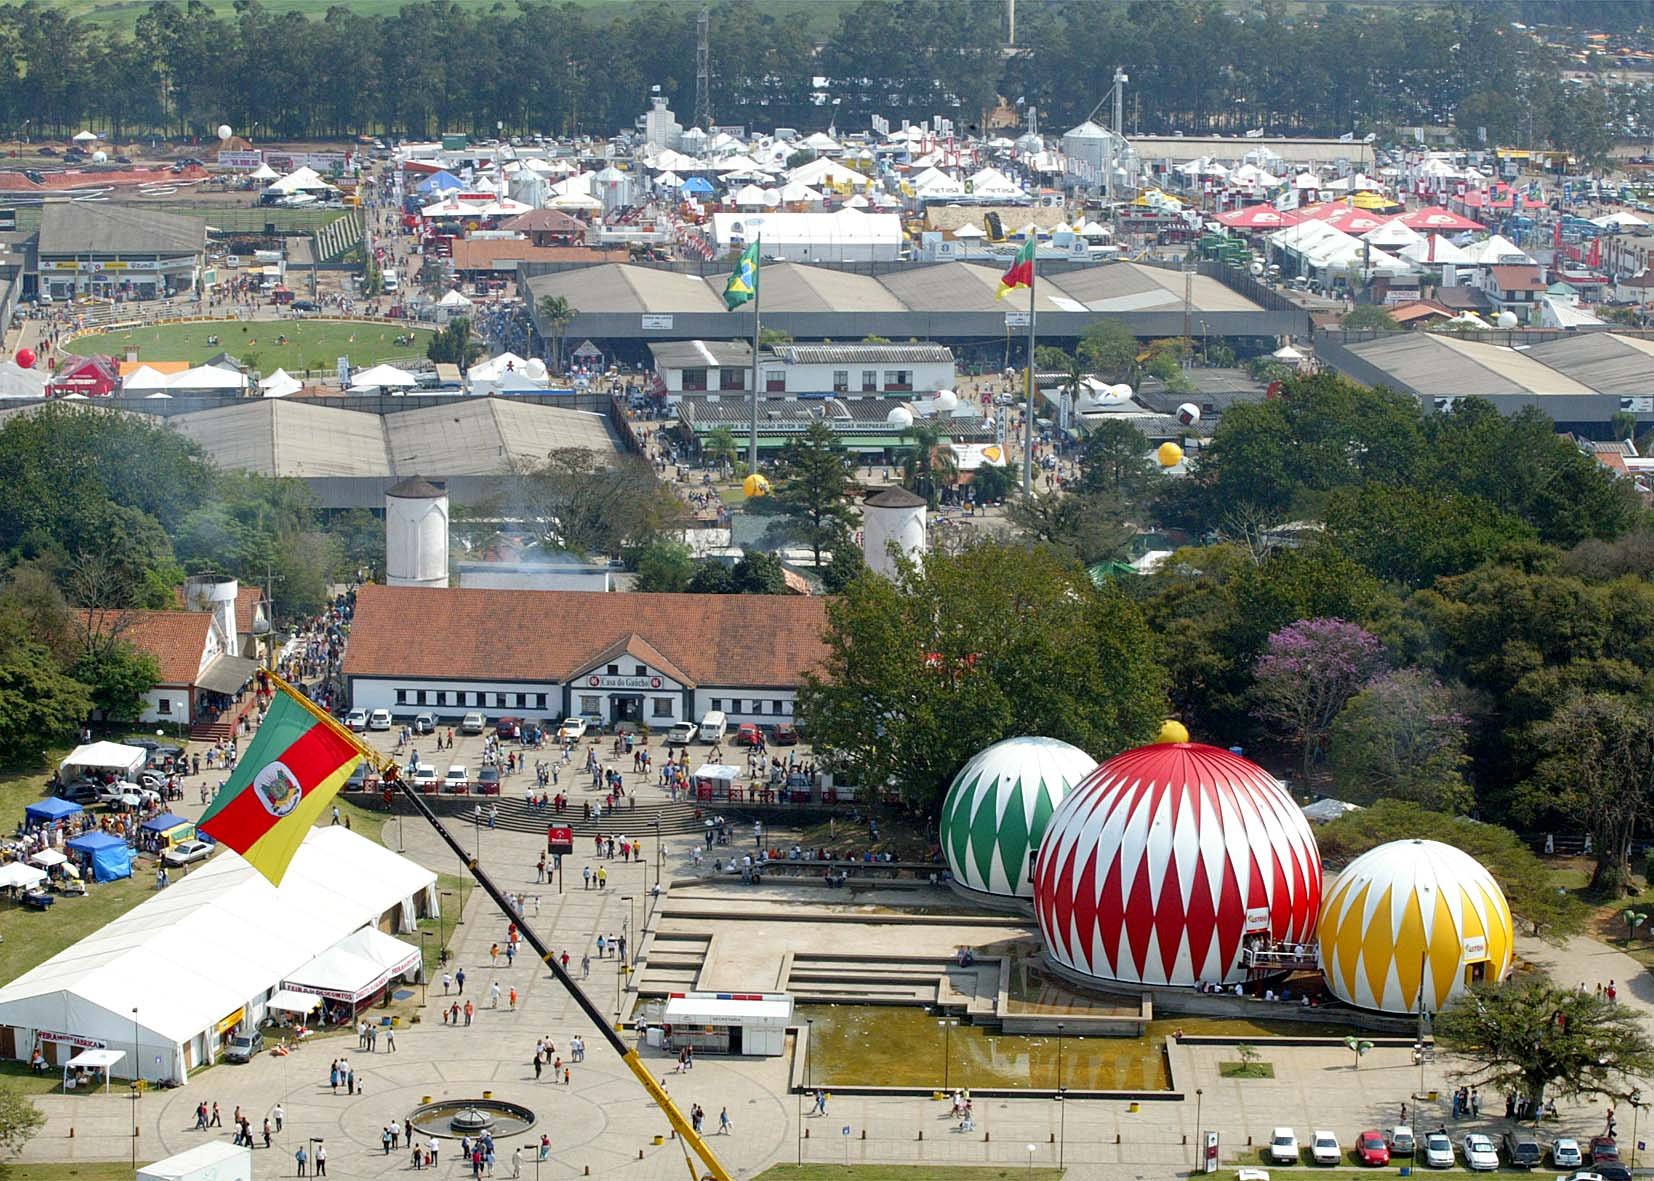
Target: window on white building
(662, 707)
(419, 697)
(775, 707)
(402, 697)
(717, 704)
(640, 670)
(590, 703)
(163, 705)
(869, 381)
(841, 381)
(898, 379)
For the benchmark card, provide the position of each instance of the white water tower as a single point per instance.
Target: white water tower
(894, 515)
(209, 592)
(416, 534)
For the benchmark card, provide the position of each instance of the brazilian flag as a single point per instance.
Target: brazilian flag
(743, 281)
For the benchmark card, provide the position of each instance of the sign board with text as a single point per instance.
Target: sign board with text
(559, 839)
(663, 323)
(595, 681)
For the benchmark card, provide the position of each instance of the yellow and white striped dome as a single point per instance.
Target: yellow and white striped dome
(1409, 919)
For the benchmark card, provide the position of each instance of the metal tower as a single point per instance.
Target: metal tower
(703, 68)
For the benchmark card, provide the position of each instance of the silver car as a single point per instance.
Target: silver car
(1479, 1153)
(1438, 1150)
(1565, 1153)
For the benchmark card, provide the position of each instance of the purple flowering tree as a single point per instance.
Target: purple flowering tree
(1308, 672)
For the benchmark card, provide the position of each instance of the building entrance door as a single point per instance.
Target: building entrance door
(626, 709)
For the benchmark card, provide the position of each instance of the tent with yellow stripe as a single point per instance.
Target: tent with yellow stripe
(1413, 921)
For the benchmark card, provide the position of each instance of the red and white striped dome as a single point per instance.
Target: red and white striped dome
(1164, 858)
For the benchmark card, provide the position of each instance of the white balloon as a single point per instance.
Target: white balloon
(1188, 414)
(900, 417)
(223, 131)
(947, 400)
(100, 157)
(1507, 319)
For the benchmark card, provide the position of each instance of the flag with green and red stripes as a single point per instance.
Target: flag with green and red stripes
(291, 770)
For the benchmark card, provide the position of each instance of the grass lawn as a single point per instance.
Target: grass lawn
(1246, 1070)
(33, 937)
(898, 1173)
(313, 345)
(68, 1171)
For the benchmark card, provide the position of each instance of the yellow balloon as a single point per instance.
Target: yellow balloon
(755, 485)
(1169, 454)
(1172, 730)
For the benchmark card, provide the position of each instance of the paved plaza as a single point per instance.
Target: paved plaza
(601, 1122)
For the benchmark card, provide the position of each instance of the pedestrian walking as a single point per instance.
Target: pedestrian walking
(300, 1158)
(321, 1160)
(279, 1115)
(494, 994)
(447, 982)
(390, 1041)
(459, 979)
(725, 1125)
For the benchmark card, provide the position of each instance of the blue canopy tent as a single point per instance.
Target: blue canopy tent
(440, 182)
(696, 184)
(48, 811)
(172, 828)
(109, 856)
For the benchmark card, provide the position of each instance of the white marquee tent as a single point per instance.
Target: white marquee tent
(155, 958)
(104, 756)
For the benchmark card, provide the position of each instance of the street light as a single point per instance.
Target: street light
(1200, 1136)
(137, 1072)
(442, 927)
(947, 1024)
(1062, 1123)
(424, 970)
(535, 1149)
(1032, 1149)
(1059, 1055)
(631, 930)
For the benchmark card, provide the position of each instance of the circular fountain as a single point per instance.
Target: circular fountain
(454, 1118)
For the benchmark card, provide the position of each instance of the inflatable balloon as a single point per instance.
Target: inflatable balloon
(947, 401)
(900, 417)
(1172, 730)
(1188, 414)
(25, 358)
(755, 485)
(1169, 454)
(223, 131)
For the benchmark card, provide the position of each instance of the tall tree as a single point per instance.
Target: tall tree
(814, 488)
(557, 313)
(577, 501)
(922, 673)
(1540, 1041)
(1401, 738)
(1307, 674)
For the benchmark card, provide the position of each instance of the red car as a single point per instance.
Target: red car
(748, 735)
(1370, 1148)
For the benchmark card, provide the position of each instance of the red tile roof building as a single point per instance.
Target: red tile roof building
(641, 658)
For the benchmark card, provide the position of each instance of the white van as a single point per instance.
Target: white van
(714, 726)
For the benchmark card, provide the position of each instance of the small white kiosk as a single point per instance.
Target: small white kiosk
(725, 1023)
(214, 1161)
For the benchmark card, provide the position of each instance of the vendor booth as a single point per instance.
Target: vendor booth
(43, 812)
(353, 973)
(95, 757)
(106, 856)
(14, 875)
(166, 830)
(724, 1023)
(714, 781)
(81, 1070)
(47, 858)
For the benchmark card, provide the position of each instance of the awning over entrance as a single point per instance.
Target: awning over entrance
(289, 1001)
(227, 675)
(355, 968)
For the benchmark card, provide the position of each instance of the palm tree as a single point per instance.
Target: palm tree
(721, 447)
(557, 313)
(929, 464)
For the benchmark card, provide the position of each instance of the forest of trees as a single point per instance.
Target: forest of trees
(560, 68)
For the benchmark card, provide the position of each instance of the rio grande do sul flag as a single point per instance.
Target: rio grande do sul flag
(1021, 273)
(291, 770)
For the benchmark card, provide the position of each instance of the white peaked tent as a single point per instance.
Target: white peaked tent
(454, 299)
(826, 172)
(383, 377)
(280, 384)
(1496, 251)
(18, 382)
(301, 180)
(1392, 235)
(794, 193)
(1434, 249)
(969, 231)
(86, 137)
(991, 182)
(143, 379)
(263, 172)
(750, 197)
(206, 378)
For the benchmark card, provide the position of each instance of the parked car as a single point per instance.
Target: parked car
(82, 792)
(509, 728)
(1438, 1150)
(358, 780)
(127, 795)
(784, 734)
(153, 778)
(243, 1047)
(424, 779)
(1565, 1153)
(187, 852)
(424, 723)
(1401, 1140)
(1523, 1150)
(357, 720)
(379, 719)
(748, 734)
(472, 723)
(682, 733)
(1283, 1146)
(457, 781)
(1324, 1148)
(572, 730)
(1479, 1153)
(1372, 1149)
(1612, 1171)
(305, 305)
(1604, 1150)
(488, 781)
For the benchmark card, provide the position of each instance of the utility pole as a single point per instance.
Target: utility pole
(1010, 24)
(703, 67)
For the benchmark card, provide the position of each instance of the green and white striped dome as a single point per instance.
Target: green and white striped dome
(997, 809)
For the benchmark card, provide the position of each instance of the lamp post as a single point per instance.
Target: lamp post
(535, 1149)
(424, 971)
(1636, 1098)
(947, 1032)
(442, 926)
(1059, 1056)
(1032, 1149)
(1199, 1134)
(629, 929)
(1062, 1123)
(137, 1073)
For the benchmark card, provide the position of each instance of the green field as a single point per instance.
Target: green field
(312, 345)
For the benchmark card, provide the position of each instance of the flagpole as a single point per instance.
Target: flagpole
(1028, 425)
(752, 439)
(640, 1070)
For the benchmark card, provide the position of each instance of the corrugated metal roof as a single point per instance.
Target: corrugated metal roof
(1444, 366)
(828, 354)
(693, 354)
(80, 228)
(1605, 361)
